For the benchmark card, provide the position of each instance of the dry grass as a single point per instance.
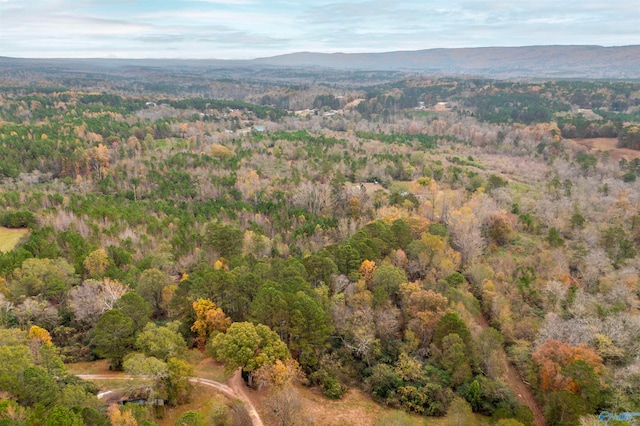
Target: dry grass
(356, 408)
(93, 367)
(610, 145)
(10, 237)
(209, 369)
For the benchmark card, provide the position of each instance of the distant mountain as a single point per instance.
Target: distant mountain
(551, 62)
(501, 62)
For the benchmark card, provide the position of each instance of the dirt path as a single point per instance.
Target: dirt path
(235, 391)
(513, 379)
(238, 386)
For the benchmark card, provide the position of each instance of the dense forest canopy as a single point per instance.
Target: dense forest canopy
(427, 240)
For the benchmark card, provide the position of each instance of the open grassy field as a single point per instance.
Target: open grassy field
(10, 237)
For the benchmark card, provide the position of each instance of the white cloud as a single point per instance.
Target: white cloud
(242, 28)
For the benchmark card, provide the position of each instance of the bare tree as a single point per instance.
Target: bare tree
(92, 298)
(465, 229)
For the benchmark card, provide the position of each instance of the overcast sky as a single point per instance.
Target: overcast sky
(239, 29)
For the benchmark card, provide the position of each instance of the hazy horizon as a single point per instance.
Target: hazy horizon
(249, 29)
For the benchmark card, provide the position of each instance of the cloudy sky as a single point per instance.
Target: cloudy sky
(239, 29)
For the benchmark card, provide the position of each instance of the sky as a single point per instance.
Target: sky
(245, 29)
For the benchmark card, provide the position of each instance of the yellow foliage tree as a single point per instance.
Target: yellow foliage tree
(367, 269)
(209, 318)
(279, 375)
(221, 264)
(121, 418)
(96, 263)
(40, 335)
(221, 151)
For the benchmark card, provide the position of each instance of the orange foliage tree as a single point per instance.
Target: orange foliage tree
(554, 358)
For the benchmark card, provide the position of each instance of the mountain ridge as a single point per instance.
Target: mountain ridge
(541, 61)
(527, 61)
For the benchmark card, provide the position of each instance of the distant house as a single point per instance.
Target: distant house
(151, 104)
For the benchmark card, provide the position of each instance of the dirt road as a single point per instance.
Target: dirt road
(235, 391)
(513, 379)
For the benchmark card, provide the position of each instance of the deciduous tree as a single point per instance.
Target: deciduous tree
(249, 347)
(209, 319)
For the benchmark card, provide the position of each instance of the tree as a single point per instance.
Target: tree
(162, 342)
(554, 357)
(389, 278)
(48, 278)
(136, 308)
(279, 375)
(249, 347)
(34, 310)
(100, 160)
(37, 386)
(454, 359)
(286, 407)
(451, 323)
(460, 413)
(157, 379)
(367, 269)
(63, 416)
(121, 417)
(150, 373)
(499, 227)
(39, 335)
(347, 259)
(179, 388)
(489, 345)
(113, 337)
(14, 360)
(310, 326)
(150, 286)
(224, 240)
(11, 413)
(617, 246)
(92, 298)
(190, 418)
(554, 239)
(465, 229)
(563, 408)
(96, 263)
(209, 319)
(319, 268)
(402, 232)
(383, 382)
(91, 416)
(424, 308)
(314, 197)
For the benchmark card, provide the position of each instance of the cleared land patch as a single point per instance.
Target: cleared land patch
(9, 237)
(610, 145)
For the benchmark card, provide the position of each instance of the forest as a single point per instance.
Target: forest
(450, 247)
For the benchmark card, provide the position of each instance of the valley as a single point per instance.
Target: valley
(411, 248)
